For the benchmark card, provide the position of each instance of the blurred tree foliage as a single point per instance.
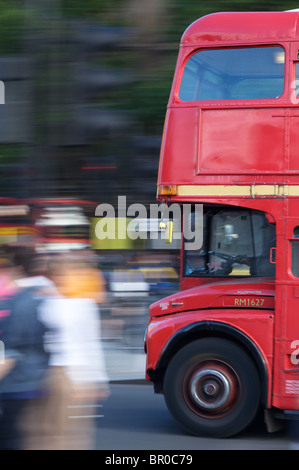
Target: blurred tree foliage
(151, 94)
(94, 9)
(184, 13)
(11, 26)
(155, 57)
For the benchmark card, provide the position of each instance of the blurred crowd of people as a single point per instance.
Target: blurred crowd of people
(53, 359)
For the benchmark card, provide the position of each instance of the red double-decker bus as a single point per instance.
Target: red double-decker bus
(227, 344)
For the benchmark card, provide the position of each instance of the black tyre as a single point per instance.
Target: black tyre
(212, 388)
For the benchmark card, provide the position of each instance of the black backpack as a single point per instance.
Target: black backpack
(23, 333)
(23, 320)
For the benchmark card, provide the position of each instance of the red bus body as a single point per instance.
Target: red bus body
(239, 151)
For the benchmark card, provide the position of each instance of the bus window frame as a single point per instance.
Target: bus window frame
(248, 102)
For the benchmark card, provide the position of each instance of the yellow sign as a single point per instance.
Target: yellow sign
(111, 233)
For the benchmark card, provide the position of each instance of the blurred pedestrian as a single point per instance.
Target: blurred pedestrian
(82, 277)
(26, 361)
(78, 377)
(8, 287)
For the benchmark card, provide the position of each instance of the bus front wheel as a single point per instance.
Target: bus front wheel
(212, 388)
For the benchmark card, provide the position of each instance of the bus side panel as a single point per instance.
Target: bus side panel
(241, 140)
(256, 325)
(179, 146)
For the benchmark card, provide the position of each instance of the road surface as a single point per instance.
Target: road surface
(134, 418)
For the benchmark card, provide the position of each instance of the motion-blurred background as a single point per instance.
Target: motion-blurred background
(86, 89)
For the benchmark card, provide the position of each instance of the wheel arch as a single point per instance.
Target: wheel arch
(210, 329)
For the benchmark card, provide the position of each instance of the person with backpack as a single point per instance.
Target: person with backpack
(78, 378)
(25, 365)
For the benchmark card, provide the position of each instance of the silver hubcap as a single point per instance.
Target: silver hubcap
(210, 389)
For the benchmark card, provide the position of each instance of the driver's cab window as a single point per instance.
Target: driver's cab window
(229, 237)
(235, 243)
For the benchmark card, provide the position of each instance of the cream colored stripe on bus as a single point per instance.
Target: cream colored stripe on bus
(238, 190)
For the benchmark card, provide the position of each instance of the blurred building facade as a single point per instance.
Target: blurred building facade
(87, 85)
(86, 90)
(69, 127)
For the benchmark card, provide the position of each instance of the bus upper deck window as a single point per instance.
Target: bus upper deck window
(234, 74)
